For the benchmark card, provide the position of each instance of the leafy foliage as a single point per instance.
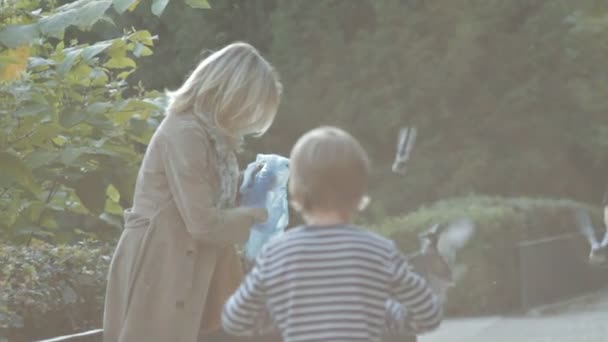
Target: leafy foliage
(49, 290)
(70, 137)
(35, 25)
(490, 284)
(73, 130)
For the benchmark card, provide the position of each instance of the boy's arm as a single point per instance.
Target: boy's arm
(245, 311)
(416, 309)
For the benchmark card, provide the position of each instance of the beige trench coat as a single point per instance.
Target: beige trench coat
(161, 271)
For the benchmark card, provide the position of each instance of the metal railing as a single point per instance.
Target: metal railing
(88, 336)
(556, 268)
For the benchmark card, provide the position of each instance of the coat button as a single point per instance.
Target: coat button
(190, 253)
(179, 304)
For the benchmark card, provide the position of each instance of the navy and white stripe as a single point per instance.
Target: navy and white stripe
(334, 283)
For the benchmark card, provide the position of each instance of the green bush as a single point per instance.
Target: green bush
(490, 285)
(51, 290)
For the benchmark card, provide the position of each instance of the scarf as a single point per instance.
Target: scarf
(226, 163)
(228, 271)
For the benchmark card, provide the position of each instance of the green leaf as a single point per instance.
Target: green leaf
(158, 6)
(86, 12)
(12, 169)
(91, 12)
(81, 13)
(44, 132)
(98, 107)
(80, 75)
(49, 222)
(70, 154)
(120, 63)
(92, 192)
(203, 4)
(141, 50)
(16, 35)
(118, 49)
(38, 159)
(120, 118)
(59, 140)
(123, 75)
(98, 77)
(142, 130)
(37, 62)
(68, 62)
(55, 25)
(112, 207)
(113, 193)
(143, 36)
(100, 122)
(122, 5)
(70, 118)
(30, 109)
(95, 49)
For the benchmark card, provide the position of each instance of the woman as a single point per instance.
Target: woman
(179, 236)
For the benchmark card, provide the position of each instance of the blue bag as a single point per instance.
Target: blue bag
(265, 188)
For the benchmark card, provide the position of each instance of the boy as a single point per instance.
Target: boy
(329, 280)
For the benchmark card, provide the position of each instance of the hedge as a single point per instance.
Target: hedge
(490, 285)
(51, 290)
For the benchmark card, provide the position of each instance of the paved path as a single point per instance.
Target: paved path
(584, 319)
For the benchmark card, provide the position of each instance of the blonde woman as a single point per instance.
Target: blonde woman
(175, 263)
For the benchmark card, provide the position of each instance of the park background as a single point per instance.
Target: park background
(509, 98)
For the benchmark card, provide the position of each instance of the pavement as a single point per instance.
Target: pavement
(582, 319)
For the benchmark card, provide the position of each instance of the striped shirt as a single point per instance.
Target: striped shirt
(332, 283)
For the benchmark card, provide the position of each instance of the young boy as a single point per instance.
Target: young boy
(330, 280)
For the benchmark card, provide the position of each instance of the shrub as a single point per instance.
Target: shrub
(51, 290)
(491, 282)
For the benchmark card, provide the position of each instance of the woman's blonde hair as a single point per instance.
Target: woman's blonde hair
(236, 86)
(328, 171)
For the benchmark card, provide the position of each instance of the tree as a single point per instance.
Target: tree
(507, 96)
(73, 130)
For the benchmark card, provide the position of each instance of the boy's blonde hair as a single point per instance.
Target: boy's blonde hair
(235, 85)
(328, 171)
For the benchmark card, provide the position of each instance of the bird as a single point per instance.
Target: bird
(598, 254)
(264, 185)
(405, 143)
(436, 258)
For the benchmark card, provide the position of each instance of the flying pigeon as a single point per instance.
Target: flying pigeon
(405, 143)
(436, 259)
(265, 186)
(598, 254)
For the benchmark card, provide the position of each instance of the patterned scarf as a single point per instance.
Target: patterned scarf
(228, 272)
(226, 161)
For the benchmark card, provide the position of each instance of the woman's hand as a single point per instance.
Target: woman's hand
(260, 215)
(258, 168)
